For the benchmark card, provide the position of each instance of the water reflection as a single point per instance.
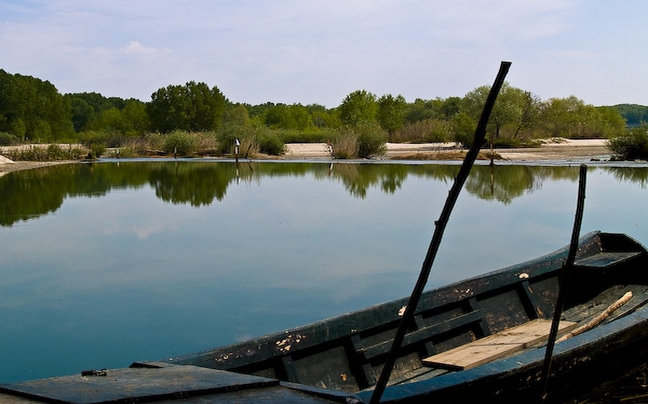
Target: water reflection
(29, 194)
(108, 263)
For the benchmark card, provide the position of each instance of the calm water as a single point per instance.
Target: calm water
(106, 264)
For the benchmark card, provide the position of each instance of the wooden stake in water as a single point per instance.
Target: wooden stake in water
(471, 156)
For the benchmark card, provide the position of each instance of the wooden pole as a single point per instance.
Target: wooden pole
(471, 156)
(565, 273)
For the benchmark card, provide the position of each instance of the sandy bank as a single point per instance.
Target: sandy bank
(561, 149)
(555, 150)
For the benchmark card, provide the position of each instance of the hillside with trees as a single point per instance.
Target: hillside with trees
(196, 118)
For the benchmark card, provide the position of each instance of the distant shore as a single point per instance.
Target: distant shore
(550, 150)
(555, 150)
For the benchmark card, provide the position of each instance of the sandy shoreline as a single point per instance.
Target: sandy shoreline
(563, 150)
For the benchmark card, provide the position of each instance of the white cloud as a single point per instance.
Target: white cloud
(296, 51)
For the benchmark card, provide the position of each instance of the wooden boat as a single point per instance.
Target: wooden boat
(482, 337)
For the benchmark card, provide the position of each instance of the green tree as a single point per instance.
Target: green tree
(129, 122)
(192, 107)
(236, 115)
(515, 114)
(391, 112)
(555, 115)
(463, 128)
(323, 117)
(282, 116)
(33, 109)
(633, 114)
(420, 110)
(359, 107)
(82, 112)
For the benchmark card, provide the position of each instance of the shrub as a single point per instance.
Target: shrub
(463, 129)
(345, 145)
(248, 137)
(7, 139)
(179, 143)
(307, 136)
(90, 137)
(49, 153)
(372, 140)
(96, 150)
(632, 145)
(427, 131)
(270, 143)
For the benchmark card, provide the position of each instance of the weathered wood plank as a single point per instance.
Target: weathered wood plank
(495, 346)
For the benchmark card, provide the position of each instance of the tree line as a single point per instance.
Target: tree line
(32, 110)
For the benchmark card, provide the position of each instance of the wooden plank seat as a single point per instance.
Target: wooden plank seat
(495, 346)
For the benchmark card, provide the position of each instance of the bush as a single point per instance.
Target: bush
(372, 140)
(91, 137)
(7, 139)
(363, 141)
(463, 129)
(49, 153)
(427, 131)
(270, 143)
(309, 136)
(179, 143)
(632, 145)
(96, 150)
(345, 145)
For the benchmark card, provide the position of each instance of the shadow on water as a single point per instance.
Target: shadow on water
(33, 193)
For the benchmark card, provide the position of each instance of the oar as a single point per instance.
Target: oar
(565, 273)
(469, 160)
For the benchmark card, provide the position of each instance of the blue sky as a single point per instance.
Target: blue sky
(301, 51)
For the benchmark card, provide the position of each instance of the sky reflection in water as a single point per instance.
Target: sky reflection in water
(107, 264)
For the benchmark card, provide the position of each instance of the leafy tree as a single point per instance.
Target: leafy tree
(236, 115)
(33, 109)
(501, 115)
(420, 110)
(561, 116)
(391, 111)
(258, 110)
(451, 106)
(324, 118)
(608, 123)
(571, 117)
(523, 111)
(82, 112)
(129, 122)
(633, 114)
(515, 115)
(93, 111)
(463, 128)
(288, 117)
(359, 107)
(192, 107)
